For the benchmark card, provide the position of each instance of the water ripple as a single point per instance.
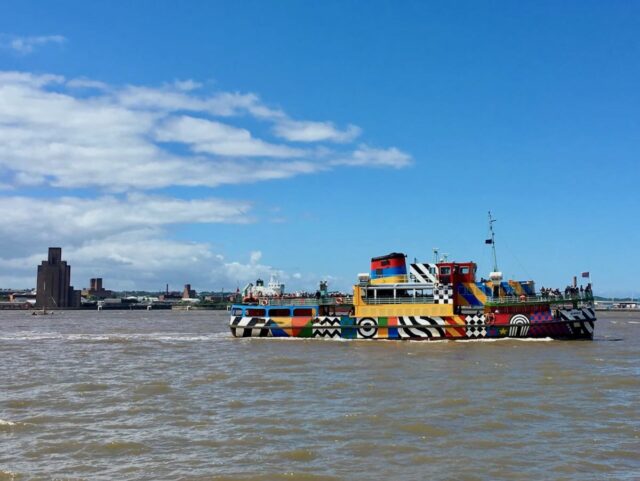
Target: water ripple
(143, 396)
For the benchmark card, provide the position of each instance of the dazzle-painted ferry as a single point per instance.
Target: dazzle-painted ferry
(428, 301)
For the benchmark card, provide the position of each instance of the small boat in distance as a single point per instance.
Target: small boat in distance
(428, 301)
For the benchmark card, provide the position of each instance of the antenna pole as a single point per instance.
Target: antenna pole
(493, 242)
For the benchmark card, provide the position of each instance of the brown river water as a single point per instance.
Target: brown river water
(136, 395)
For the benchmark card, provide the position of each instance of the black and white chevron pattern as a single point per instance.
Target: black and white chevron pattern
(422, 274)
(581, 328)
(584, 314)
(421, 327)
(249, 327)
(443, 294)
(581, 321)
(326, 327)
(476, 327)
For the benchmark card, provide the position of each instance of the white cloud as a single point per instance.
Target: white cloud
(371, 157)
(26, 45)
(139, 260)
(77, 142)
(26, 78)
(207, 136)
(306, 131)
(29, 222)
(187, 85)
(85, 83)
(122, 239)
(85, 134)
(125, 138)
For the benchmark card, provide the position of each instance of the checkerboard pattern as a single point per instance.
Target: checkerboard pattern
(443, 294)
(475, 326)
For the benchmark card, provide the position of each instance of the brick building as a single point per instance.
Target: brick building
(54, 289)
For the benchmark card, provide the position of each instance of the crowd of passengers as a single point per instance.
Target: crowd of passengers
(304, 295)
(569, 291)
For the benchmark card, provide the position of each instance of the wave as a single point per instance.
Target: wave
(113, 338)
(9, 475)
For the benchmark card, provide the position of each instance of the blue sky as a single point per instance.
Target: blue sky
(214, 142)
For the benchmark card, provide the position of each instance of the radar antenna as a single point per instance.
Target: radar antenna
(492, 241)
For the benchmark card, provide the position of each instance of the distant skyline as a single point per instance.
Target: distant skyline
(218, 142)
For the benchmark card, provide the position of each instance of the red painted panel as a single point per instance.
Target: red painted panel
(394, 262)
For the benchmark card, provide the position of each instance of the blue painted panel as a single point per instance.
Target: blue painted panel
(470, 298)
(508, 289)
(389, 271)
(348, 327)
(484, 288)
(528, 288)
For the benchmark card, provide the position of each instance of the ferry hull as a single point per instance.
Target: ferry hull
(567, 324)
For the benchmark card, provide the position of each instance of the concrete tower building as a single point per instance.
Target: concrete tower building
(53, 285)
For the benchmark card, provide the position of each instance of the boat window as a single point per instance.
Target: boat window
(236, 312)
(279, 312)
(255, 312)
(303, 312)
(445, 270)
(379, 272)
(464, 270)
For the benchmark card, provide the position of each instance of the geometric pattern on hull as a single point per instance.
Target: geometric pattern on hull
(567, 324)
(476, 327)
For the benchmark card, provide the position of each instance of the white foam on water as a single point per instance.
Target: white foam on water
(506, 339)
(162, 337)
(11, 475)
(6, 423)
(31, 336)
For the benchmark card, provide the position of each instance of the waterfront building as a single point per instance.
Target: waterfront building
(96, 290)
(54, 289)
(187, 292)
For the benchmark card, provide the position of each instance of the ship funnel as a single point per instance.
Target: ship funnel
(389, 269)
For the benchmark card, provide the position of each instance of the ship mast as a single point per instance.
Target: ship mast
(492, 241)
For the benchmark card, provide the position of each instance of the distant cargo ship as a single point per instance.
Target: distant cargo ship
(428, 301)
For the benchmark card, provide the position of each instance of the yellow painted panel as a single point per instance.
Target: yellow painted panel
(481, 296)
(385, 310)
(389, 280)
(517, 287)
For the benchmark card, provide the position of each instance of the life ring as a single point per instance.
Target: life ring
(491, 318)
(264, 302)
(339, 300)
(523, 298)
